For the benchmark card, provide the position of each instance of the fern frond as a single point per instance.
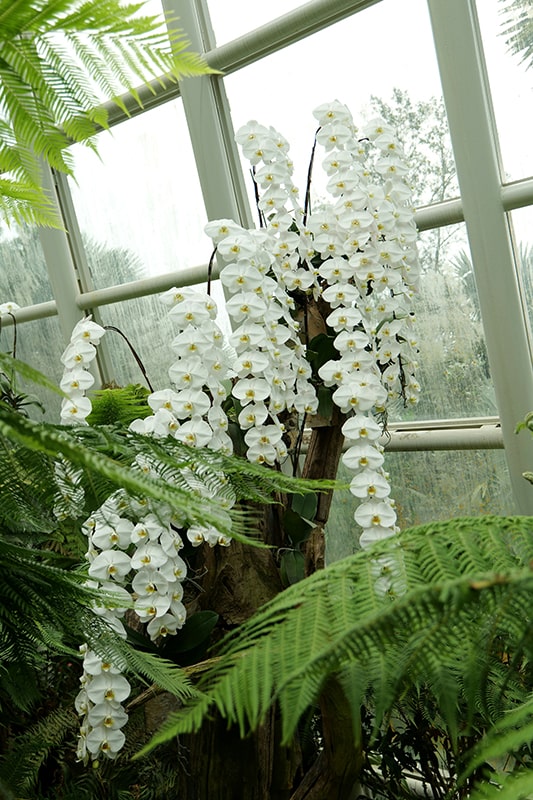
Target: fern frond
(25, 202)
(119, 405)
(12, 366)
(36, 595)
(513, 730)
(60, 60)
(516, 786)
(415, 634)
(20, 765)
(57, 443)
(46, 608)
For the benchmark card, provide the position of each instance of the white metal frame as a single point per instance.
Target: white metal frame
(473, 133)
(482, 206)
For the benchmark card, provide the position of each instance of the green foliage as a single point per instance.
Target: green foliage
(292, 567)
(517, 28)
(12, 366)
(516, 786)
(40, 603)
(60, 59)
(440, 610)
(28, 750)
(194, 638)
(119, 405)
(45, 608)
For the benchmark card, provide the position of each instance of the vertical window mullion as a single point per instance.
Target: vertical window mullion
(79, 258)
(506, 329)
(60, 265)
(210, 126)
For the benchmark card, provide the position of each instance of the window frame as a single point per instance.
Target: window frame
(483, 205)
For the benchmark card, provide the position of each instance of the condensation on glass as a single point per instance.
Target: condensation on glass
(453, 367)
(140, 208)
(23, 272)
(428, 486)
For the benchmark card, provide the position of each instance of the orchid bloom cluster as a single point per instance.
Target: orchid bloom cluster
(103, 687)
(75, 408)
(358, 253)
(272, 373)
(192, 411)
(371, 278)
(133, 545)
(133, 552)
(77, 378)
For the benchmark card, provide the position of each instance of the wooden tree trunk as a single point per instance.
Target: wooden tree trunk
(216, 764)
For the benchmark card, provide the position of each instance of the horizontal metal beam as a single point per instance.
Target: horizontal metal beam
(517, 194)
(150, 95)
(449, 212)
(481, 437)
(145, 286)
(514, 195)
(232, 56)
(30, 313)
(283, 31)
(486, 437)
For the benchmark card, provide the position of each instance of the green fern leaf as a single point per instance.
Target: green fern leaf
(60, 60)
(423, 631)
(518, 786)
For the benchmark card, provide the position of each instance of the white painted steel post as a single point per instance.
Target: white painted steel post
(472, 131)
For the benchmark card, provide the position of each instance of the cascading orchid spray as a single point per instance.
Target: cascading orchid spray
(357, 253)
(133, 544)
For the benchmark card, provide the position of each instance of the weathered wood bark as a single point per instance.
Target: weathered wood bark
(322, 461)
(215, 764)
(335, 773)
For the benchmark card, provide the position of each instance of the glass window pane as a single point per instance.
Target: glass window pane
(233, 18)
(40, 344)
(510, 77)
(365, 77)
(145, 323)
(428, 486)
(23, 274)
(453, 367)
(522, 222)
(140, 207)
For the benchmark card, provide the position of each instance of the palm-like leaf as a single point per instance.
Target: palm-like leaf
(459, 594)
(517, 28)
(59, 60)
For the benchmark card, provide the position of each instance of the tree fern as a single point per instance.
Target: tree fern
(454, 588)
(36, 597)
(105, 456)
